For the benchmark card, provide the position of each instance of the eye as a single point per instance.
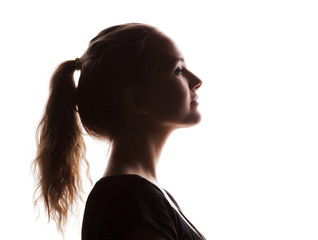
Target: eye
(178, 71)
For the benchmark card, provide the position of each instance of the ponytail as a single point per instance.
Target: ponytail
(60, 147)
(115, 58)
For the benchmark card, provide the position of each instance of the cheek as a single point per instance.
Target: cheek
(171, 98)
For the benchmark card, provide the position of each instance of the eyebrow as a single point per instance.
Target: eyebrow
(175, 61)
(179, 59)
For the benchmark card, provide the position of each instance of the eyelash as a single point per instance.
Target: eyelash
(178, 70)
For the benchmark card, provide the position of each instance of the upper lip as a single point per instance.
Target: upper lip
(195, 98)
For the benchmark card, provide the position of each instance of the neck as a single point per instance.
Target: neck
(137, 151)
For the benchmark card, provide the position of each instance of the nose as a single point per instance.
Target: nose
(195, 82)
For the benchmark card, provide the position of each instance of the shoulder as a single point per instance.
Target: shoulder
(119, 202)
(127, 195)
(126, 187)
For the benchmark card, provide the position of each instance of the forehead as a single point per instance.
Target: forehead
(163, 51)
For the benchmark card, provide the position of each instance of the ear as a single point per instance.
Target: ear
(135, 100)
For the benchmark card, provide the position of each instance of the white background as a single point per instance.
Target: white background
(248, 171)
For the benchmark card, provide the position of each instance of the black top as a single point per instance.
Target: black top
(117, 202)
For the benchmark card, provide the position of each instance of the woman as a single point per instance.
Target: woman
(134, 90)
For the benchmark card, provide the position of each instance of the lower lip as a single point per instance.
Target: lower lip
(194, 102)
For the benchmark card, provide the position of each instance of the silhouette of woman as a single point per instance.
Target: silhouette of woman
(134, 90)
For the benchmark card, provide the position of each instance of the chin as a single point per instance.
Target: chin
(196, 120)
(190, 121)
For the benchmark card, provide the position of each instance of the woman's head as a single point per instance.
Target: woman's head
(139, 58)
(129, 71)
(114, 60)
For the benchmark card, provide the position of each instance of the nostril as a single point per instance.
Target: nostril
(197, 85)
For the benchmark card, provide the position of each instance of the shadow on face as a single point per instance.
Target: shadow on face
(170, 86)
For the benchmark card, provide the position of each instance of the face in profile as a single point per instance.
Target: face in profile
(171, 90)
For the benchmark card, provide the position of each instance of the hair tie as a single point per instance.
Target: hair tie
(77, 64)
